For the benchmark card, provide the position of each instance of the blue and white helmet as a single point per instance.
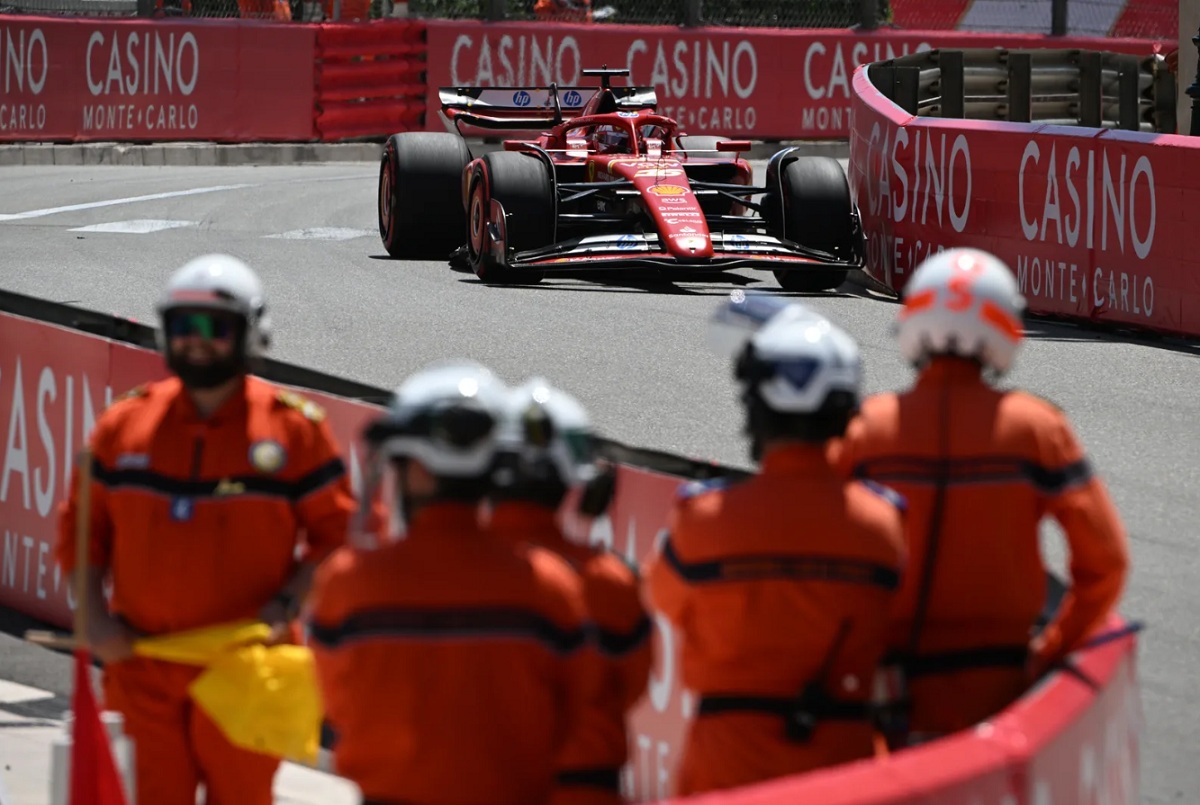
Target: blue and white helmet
(545, 424)
(791, 357)
(447, 416)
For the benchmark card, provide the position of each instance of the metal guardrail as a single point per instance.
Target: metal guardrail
(1063, 87)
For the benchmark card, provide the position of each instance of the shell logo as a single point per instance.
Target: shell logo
(667, 190)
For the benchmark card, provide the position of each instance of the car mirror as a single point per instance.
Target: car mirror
(733, 145)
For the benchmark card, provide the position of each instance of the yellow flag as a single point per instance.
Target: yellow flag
(264, 698)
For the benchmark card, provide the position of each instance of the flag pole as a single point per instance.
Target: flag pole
(83, 522)
(83, 553)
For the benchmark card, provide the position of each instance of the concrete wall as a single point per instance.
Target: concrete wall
(1189, 24)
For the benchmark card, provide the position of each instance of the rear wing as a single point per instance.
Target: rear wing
(531, 107)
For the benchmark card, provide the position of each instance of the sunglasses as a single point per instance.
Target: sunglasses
(209, 326)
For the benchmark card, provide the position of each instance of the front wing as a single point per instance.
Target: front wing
(645, 250)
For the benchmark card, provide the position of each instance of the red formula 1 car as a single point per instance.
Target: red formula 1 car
(609, 184)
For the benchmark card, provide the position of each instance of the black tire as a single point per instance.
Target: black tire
(420, 203)
(815, 211)
(525, 188)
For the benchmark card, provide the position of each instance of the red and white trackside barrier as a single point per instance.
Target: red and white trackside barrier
(760, 83)
(1098, 224)
(220, 80)
(1063, 744)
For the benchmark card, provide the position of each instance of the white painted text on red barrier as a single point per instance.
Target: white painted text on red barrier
(1128, 208)
(696, 68)
(148, 64)
(520, 60)
(827, 74)
(26, 61)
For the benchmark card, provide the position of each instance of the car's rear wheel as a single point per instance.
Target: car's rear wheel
(816, 211)
(525, 189)
(420, 194)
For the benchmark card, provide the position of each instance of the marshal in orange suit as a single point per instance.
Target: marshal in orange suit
(548, 456)
(455, 666)
(214, 495)
(781, 585)
(981, 467)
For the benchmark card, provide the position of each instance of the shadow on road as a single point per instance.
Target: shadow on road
(1055, 330)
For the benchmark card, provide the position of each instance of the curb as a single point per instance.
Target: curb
(206, 154)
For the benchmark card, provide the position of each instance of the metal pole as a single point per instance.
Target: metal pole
(1194, 90)
(496, 10)
(869, 15)
(1058, 18)
(693, 15)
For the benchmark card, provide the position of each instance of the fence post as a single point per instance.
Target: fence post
(950, 67)
(1020, 87)
(869, 14)
(1058, 17)
(1090, 74)
(146, 8)
(1127, 93)
(495, 10)
(1193, 91)
(693, 12)
(908, 89)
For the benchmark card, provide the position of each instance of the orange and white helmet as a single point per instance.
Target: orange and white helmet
(962, 302)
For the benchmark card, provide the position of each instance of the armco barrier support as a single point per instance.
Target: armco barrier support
(1064, 743)
(1098, 224)
(370, 79)
(761, 83)
(74, 80)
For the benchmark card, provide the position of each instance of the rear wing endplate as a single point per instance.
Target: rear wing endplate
(531, 107)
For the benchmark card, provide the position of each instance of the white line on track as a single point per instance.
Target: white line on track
(141, 226)
(112, 202)
(16, 693)
(323, 233)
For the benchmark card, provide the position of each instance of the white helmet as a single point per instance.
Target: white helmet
(962, 302)
(546, 425)
(225, 283)
(790, 356)
(447, 417)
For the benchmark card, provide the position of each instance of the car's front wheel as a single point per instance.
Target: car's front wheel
(525, 189)
(816, 211)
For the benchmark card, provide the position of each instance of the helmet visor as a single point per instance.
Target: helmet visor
(208, 325)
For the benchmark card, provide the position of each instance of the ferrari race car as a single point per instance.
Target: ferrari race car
(608, 184)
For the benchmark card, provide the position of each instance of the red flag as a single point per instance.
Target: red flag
(95, 779)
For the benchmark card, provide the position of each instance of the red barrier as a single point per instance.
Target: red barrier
(1058, 746)
(137, 80)
(1096, 223)
(763, 83)
(369, 79)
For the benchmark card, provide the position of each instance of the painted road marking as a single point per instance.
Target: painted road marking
(324, 233)
(140, 226)
(16, 693)
(112, 202)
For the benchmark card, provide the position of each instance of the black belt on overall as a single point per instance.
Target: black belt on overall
(800, 714)
(828, 709)
(607, 779)
(947, 662)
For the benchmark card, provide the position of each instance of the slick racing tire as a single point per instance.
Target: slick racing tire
(815, 211)
(421, 213)
(525, 189)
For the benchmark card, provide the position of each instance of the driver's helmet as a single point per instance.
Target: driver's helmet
(611, 140)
